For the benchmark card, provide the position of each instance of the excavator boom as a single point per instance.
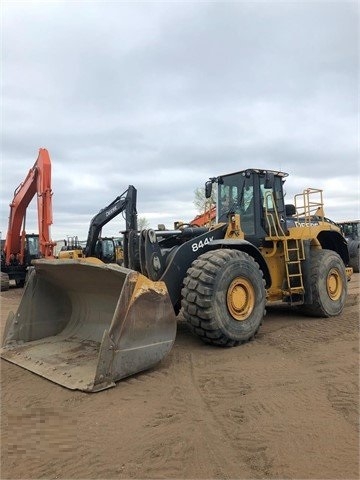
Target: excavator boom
(37, 181)
(205, 219)
(96, 246)
(124, 202)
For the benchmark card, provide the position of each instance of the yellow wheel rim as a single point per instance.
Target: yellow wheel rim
(334, 284)
(240, 298)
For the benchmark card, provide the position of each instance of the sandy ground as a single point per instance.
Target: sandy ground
(283, 406)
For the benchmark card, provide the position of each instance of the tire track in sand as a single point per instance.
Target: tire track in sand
(195, 445)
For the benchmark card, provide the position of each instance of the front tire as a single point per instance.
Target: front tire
(223, 298)
(327, 280)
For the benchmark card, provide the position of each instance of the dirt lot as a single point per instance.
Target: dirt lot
(283, 406)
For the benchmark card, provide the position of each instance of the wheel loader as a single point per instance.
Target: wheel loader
(85, 325)
(351, 231)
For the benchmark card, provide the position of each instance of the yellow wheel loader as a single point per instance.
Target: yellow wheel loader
(85, 324)
(72, 249)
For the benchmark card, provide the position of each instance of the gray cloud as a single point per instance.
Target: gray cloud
(163, 95)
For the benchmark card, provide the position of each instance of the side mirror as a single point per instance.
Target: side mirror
(208, 189)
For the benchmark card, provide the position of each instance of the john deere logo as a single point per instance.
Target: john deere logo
(109, 212)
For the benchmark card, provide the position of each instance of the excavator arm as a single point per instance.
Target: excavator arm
(205, 219)
(124, 202)
(37, 181)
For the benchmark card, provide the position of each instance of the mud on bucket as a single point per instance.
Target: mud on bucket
(84, 324)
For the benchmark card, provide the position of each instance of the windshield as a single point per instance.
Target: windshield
(107, 248)
(236, 195)
(229, 193)
(33, 246)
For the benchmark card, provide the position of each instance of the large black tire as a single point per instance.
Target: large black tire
(223, 298)
(355, 263)
(328, 283)
(354, 255)
(4, 285)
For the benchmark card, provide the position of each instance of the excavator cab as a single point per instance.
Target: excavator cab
(108, 250)
(32, 250)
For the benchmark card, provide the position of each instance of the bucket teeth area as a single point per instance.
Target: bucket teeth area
(86, 325)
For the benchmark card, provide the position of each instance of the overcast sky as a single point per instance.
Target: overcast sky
(164, 95)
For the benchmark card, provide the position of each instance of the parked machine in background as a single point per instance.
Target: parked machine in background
(71, 249)
(103, 322)
(106, 249)
(205, 219)
(20, 248)
(351, 230)
(109, 250)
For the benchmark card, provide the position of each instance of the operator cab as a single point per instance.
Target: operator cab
(32, 250)
(257, 196)
(105, 250)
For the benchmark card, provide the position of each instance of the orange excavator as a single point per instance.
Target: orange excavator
(21, 248)
(205, 219)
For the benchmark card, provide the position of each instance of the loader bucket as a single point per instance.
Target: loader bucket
(84, 324)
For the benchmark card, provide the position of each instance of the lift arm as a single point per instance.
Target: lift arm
(37, 181)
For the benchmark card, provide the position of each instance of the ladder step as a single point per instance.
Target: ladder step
(294, 253)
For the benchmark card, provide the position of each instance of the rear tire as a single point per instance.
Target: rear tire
(224, 297)
(328, 284)
(354, 258)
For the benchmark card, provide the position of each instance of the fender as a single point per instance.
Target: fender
(182, 258)
(250, 249)
(332, 240)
